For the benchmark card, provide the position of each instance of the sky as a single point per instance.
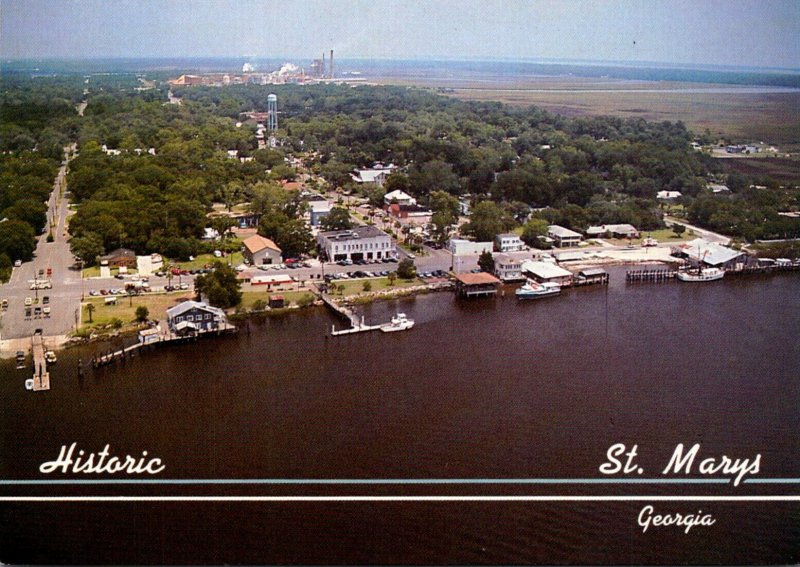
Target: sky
(759, 33)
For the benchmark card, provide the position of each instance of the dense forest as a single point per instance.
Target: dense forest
(515, 166)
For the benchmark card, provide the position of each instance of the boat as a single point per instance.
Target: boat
(534, 290)
(29, 384)
(398, 323)
(50, 357)
(701, 275)
(20, 360)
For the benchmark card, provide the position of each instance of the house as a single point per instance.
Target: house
(476, 285)
(399, 197)
(460, 247)
(318, 210)
(563, 237)
(668, 195)
(508, 243)
(190, 317)
(259, 251)
(121, 257)
(547, 272)
(378, 174)
(699, 251)
(149, 336)
(615, 230)
(359, 243)
(508, 269)
(717, 188)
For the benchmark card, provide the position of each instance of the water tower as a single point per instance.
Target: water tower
(272, 112)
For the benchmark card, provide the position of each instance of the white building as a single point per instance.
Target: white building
(668, 195)
(359, 243)
(460, 247)
(616, 230)
(507, 268)
(399, 197)
(547, 272)
(563, 237)
(508, 243)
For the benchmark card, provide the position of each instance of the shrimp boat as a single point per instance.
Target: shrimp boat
(534, 290)
(398, 323)
(20, 360)
(701, 275)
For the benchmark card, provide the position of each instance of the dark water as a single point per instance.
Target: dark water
(480, 389)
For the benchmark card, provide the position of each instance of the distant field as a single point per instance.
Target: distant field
(727, 111)
(780, 169)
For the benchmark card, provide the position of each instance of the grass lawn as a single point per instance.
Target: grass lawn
(290, 297)
(662, 235)
(200, 261)
(125, 309)
(353, 287)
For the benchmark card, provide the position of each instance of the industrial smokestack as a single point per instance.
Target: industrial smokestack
(331, 63)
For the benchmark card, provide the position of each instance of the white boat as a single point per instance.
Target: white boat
(29, 384)
(534, 290)
(50, 357)
(701, 275)
(398, 323)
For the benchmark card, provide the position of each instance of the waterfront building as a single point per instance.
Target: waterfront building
(460, 247)
(563, 237)
(359, 243)
(700, 251)
(259, 251)
(547, 272)
(508, 243)
(192, 316)
(508, 269)
(476, 285)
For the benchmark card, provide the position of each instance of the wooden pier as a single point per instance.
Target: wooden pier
(165, 336)
(650, 276)
(41, 377)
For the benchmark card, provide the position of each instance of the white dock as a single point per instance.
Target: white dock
(41, 377)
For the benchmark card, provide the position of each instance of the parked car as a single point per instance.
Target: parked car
(18, 263)
(45, 300)
(28, 301)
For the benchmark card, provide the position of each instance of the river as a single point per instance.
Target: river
(491, 389)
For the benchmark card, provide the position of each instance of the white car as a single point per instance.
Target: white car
(18, 263)
(28, 302)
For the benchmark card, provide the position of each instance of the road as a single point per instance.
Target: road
(56, 256)
(702, 232)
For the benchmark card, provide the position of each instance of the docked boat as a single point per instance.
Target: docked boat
(50, 357)
(398, 323)
(29, 384)
(533, 290)
(20, 360)
(701, 275)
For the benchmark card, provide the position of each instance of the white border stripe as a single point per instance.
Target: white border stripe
(468, 498)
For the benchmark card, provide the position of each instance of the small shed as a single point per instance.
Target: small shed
(276, 301)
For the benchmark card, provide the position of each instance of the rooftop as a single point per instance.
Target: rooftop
(562, 232)
(184, 306)
(354, 233)
(710, 253)
(256, 243)
(481, 278)
(545, 270)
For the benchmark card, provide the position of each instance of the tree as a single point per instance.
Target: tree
(17, 240)
(87, 247)
(142, 313)
(90, 310)
(678, 229)
(220, 286)
(259, 305)
(486, 262)
(406, 269)
(337, 219)
(367, 285)
(292, 236)
(532, 232)
(392, 277)
(487, 221)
